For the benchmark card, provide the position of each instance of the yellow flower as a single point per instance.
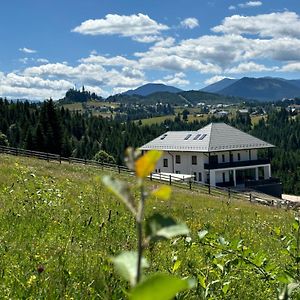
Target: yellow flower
(31, 280)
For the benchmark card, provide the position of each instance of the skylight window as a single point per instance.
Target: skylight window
(163, 137)
(196, 137)
(202, 137)
(187, 137)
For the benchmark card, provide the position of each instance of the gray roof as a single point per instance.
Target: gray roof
(211, 138)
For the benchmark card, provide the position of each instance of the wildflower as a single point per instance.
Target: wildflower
(31, 280)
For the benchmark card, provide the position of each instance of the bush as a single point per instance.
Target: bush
(104, 157)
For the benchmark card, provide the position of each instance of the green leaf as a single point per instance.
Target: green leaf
(126, 265)
(160, 227)
(296, 224)
(121, 190)
(225, 287)
(202, 234)
(202, 281)
(176, 266)
(146, 163)
(160, 287)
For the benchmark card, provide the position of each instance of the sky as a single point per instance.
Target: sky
(111, 46)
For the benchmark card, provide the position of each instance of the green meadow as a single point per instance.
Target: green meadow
(60, 228)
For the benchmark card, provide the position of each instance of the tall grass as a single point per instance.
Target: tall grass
(59, 228)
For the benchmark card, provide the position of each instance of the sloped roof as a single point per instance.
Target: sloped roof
(211, 138)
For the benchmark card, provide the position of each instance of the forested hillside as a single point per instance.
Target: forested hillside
(45, 127)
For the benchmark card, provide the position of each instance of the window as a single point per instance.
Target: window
(223, 158)
(202, 137)
(165, 162)
(177, 172)
(177, 159)
(188, 136)
(195, 176)
(223, 174)
(200, 176)
(239, 156)
(194, 160)
(197, 136)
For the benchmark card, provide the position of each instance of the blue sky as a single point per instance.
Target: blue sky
(114, 45)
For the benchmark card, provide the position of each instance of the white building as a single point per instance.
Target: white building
(217, 154)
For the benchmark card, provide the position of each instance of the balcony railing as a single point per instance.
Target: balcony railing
(234, 164)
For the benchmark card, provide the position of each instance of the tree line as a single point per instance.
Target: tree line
(50, 128)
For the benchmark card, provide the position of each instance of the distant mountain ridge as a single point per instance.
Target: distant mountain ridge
(181, 98)
(262, 89)
(219, 85)
(150, 88)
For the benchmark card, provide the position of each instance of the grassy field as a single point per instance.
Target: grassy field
(59, 228)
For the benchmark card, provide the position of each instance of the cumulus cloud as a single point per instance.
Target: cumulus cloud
(281, 24)
(177, 79)
(215, 79)
(140, 27)
(249, 67)
(189, 23)
(21, 86)
(250, 4)
(291, 67)
(108, 61)
(27, 50)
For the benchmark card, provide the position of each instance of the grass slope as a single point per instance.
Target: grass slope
(59, 227)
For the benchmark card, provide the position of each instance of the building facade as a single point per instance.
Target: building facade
(218, 154)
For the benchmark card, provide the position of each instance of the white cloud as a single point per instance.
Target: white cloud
(24, 60)
(42, 60)
(249, 67)
(27, 50)
(231, 7)
(21, 86)
(109, 61)
(189, 23)
(281, 24)
(215, 79)
(177, 79)
(140, 27)
(291, 67)
(147, 38)
(250, 4)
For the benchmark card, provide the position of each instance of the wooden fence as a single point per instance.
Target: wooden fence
(225, 193)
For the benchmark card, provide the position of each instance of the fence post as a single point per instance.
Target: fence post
(47, 157)
(69, 160)
(119, 169)
(170, 179)
(190, 182)
(17, 152)
(209, 188)
(85, 161)
(250, 197)
(151, 176)
(60, 159)
(229, 192)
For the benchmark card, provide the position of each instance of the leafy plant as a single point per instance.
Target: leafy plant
(130, 264)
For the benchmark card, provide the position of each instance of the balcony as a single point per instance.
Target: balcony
(235, 164)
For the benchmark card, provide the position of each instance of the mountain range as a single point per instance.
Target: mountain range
(262, 89)
(150, 88)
